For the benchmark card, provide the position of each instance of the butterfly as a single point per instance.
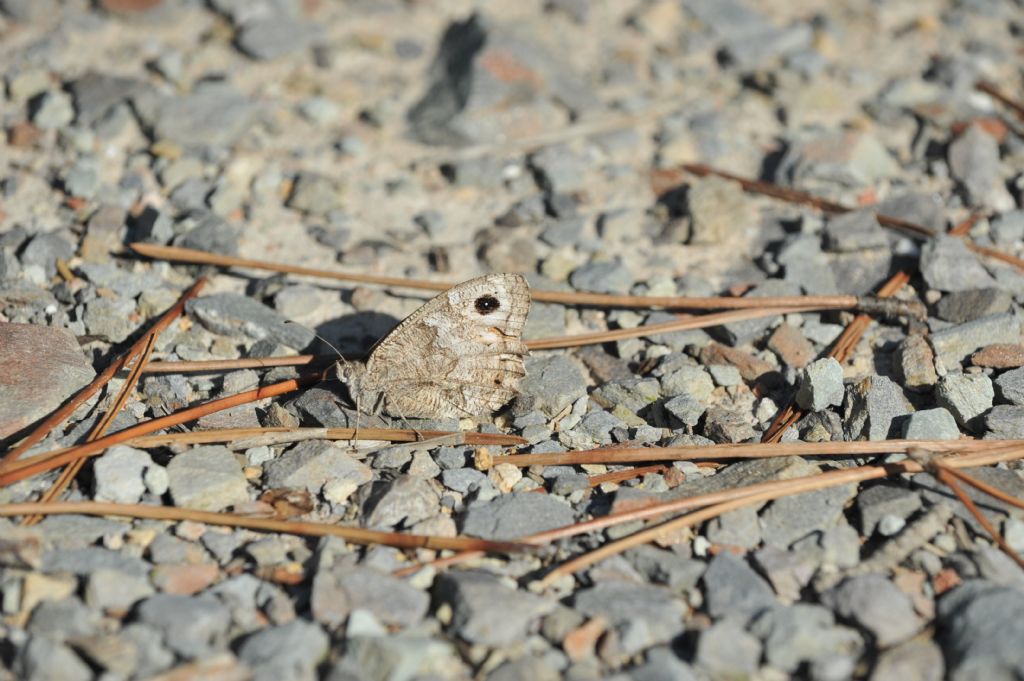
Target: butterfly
(460, 354)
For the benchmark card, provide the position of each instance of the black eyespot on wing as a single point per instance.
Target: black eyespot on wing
(486, 304)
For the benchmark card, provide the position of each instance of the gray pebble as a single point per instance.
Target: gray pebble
(880, 501)
(955, 344)
(231, 314)
(725, 650)
(873, 408)
(974, 162)
(289, 651)
(804, 633)
(821, 385)
(515, 515)
(964, 306)
(915, 660)
(1005, 422)
(554, 382)
(948, 265)
(191, 626)
(931, 424)
(315, 194)
(310, 464)
(273, 37)
(207, 478)
(487, 612)
(966, 396)
(732, 588)
(1010, 386)
(118, 474)
(404, 500)
(52, 110)
(602, 277)
(42, 658)
(115, 591)
(794, 517)
(642, 614)
(877, 605)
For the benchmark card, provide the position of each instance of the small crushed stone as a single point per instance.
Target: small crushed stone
(425, 141)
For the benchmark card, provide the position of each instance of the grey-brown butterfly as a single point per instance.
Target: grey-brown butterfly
(460, 354)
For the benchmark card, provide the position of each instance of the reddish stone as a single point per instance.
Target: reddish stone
(791, 346)
(40, 367)
(999, 356)
(184, 579)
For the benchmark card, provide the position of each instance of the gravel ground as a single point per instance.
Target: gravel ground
(440, 140)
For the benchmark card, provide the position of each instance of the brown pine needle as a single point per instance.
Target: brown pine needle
(988, 489)
(629, 474)
(355, 535)
(800, 197)
(283, 435)
(945, 476)
(193, 256)
(995, 93)
(840, 350)
(57, 417)
(26, 468)
(758, 493)
(99, 429)
(627, 455)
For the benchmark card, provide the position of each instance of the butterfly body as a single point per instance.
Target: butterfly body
(460, 354)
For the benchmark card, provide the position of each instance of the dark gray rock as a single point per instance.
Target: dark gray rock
(726, 425)
(205, 231)
(964, 306)
(1008, 228)
(955, 344)
(1010, 386)
(966, 396)
(315, 194)
(806, 266)
(42, 658)
(312, 463)
(804, 633)
(213, 115)
(871, 408)
(642, 615)
(554, 382)
(931, 424)
(877, 605)
(602, 277)
(661, 664)
(794, 517)
(191, 626)
(915, 660)
(63, 619)
(732, 588)
(45, 249)
(559, 169)
(687, 408)
(87, 560)
(879, 501)
(110, 318)
(974, 162)
(821, 385)
(339, 590)
(855, 231)
(515, 515)
(485, 611)
(290, 651)
(980, 630)
(726, 651)
(231, 314)
(678, 572)
(207, 478)
(948, 265)
(274, 36)
(736, 528)
(1005, 422)
(922, 209)
(406, 500)
(471, 96)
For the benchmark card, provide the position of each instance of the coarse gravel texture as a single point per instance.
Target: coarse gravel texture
(444, 139)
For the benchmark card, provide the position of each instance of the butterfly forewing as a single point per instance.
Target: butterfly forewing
(460, 354)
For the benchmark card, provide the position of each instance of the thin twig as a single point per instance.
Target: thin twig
(945, 476)
(995, 93)
(63, 481)
(797, 196)
(355, 535)
(193, 256)
(627, 455)
(26, 468)
(57, 417)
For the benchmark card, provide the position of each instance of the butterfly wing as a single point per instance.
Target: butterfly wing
(460, 354)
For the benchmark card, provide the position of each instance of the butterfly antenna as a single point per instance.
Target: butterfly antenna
(325, 341)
